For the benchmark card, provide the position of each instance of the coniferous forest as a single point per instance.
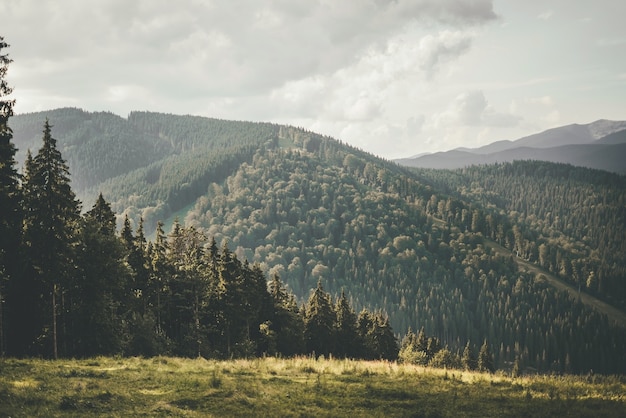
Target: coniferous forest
(203, 237)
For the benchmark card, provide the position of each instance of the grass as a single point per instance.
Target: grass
(298, 387)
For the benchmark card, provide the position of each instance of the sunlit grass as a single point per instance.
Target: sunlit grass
(292, 387)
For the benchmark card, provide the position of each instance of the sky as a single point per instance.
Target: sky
(395, 78)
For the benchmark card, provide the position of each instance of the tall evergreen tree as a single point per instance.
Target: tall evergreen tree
(190, 287)
(99, 292)
(51, 215)
(10, 219)
(160, 271)
(319, 322)
(229, 295)
(382, 339)
(346, 334)
(286, 320)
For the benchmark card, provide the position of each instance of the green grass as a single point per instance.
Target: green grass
(299, 387)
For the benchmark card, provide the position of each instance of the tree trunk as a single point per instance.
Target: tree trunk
(2, 342)
(55, 352)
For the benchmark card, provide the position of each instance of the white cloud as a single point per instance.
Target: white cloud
(546, 15)
(472, 109)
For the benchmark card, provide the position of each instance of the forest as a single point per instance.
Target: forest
(282, 241)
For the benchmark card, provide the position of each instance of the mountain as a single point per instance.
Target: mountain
(421, 245)
(582, 145)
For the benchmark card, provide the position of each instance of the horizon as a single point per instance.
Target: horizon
(392, 78)
(406, 157)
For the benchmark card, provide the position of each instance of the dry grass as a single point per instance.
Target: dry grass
(295, 387)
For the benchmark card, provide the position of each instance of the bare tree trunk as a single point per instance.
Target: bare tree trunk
(55, 352)
(2, 341)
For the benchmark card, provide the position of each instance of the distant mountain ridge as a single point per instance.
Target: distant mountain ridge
(599, 145)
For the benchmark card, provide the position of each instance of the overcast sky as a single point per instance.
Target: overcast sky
(393, 77)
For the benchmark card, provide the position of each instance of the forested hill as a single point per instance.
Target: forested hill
(569, 220)
(411, 244)
(101, 146)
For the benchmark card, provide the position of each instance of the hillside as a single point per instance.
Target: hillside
(135, 159)
(310, 209)
(566, 219)
(598, 145)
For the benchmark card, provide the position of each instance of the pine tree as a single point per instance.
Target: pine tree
(160, 277)
(319, 321)
(346, 333)
(485, 359)
(421, 344)
(11, 217)
(51, 215)
(468, 360)
(383, 340)
(286, 320)
(189, 287)
(364, 324)
(137, 259)
(229, 295)
(99, 290)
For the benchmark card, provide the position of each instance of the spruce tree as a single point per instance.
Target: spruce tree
(159, 281)
(51, 215)
(189, 287)
(10, 218)
(319, 321)
(346, 328)
(485, 359)
(364, 324)
(229, 294)
(286, 320)
(385, 343)
(99, 290)
(468, 359)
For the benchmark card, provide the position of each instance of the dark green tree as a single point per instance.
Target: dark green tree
(382, 338)
(285, 320)
(346, 343)
(11, 218)
(189, 287)
(160, 272)
(137, 259)
(51, 218)
(99, 289)
(319, 323)
(229, 293)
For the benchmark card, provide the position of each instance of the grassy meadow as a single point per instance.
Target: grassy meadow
(298, 387)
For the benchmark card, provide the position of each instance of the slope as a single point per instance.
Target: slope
(569, 220)
(149, 164)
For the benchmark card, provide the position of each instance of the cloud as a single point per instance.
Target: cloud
(212, 48)
(358, 91)
(472, 109)
(545, 15)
